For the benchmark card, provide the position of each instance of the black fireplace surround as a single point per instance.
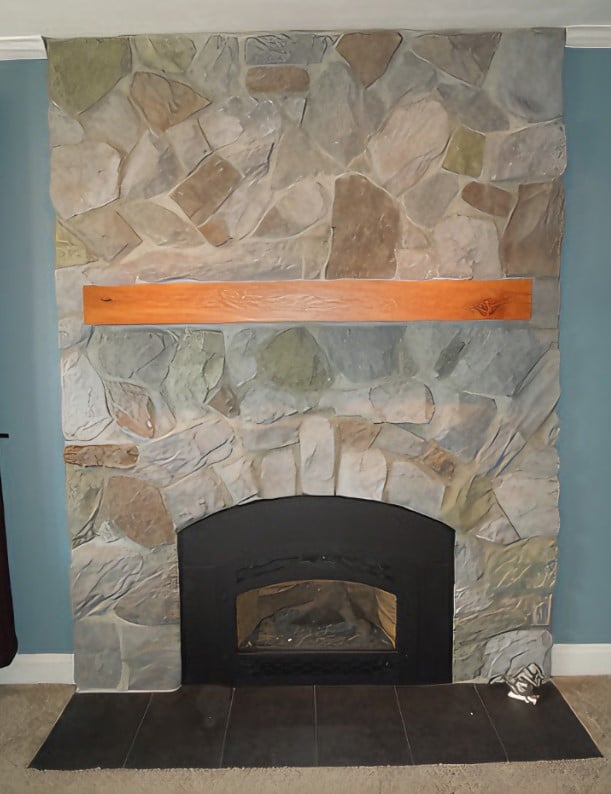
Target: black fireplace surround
(302, 538)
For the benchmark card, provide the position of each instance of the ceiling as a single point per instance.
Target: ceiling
(66, 18)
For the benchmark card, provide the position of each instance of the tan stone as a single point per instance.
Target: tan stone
(369, 53)
(135, 508)
(105, 233)
(165, 102)
(204, 191)
(466, 56)
(531, 242)
(277, 80)
(465, 154)
(69, 250)
(215, 231)
(366, 226)
(115, 456)
(488, 198)
(160, 225)
(113, 120)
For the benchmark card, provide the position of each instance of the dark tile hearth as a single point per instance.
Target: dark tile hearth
(212, 727)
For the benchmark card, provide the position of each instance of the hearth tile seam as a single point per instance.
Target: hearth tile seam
(316, 753)
(409, 746)
(137, 731)
(226, 731)
(491, 721)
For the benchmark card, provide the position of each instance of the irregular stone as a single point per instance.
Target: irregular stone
(509, 652)
(113, 120)
(241, 212)
(469, 560)
(242, 346)
(410, 486)
(105, 233)
(364, 354)
(461, 423)
(266, 404)
(102, 573)
(223, 124)
(412, 236)
(69, 283)
(281, 48)
(317, 456)
(467, 247)
(135, 509)
(488, 198)
(278, 474)
(465, 152)
(268, 437)
(417, 265)
(215, 231)
(298, 209)
(225, 402)
(83, 176)
(545, 303)
(532, 239)
(399, 441)
(405, 75)
(239, 480)
(159, 225)
(521, 55)
(277, 80)
(531, 504)
(368, 53)
(83, 496)
(474, 108)
(84, 412)
(296, 158)
(522, 568)
(167, 460)
(334, 116)
(413, 136)
(204, 191)
(71, 331)
(97, 654)
(153, 601)
(188, 142)
(439, 461)
(497, 529)
(215, 69)
(466, 56)
(81, 71)
(534, 154)
(365, 230)
(194, 497)
(69, 250)
(361, 475)
(196, 368)
(151, 657)
(132, 408)
(115, 456)
(164, 102)
(402, 402)
(355, 433)
(151, 168)
(141, 356)
(292, 359)
(428, 200)
(165, 53)
(63, 129)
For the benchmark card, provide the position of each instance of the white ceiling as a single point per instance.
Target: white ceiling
(67, 18)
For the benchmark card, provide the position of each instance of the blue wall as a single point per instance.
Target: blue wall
(31, 460)
(582, 602)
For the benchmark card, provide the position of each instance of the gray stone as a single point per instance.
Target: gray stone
(298, 209)
(151, 168)
(132, 409)
(467, 247)
(189, 143)
(317, 451)
(239, 479)
(244, 208)
(196, 368)
(153, 601)
(141, 356)
(507, 653)
(84, 411)
(428, 200)
(105, 233)
(545, 303)
(411, 486)
(160, 225)
(266, 437)
(194, 497)
(242, 346)
(215, 69)
(461, 423)
(409, 401)
(361, 474)
(113, 120)
(223, 124)
(497, 529)
(521, 55)
(278, 474)
(295, 157)
(71, 331)
(469, 560)
(466, 56)
(366, 353)
(293, 360)
(281, 48)
(151, 655)
(474, 108)
(83, 176)
(355, 402)
(534, 154)
(102, 573)
(83, 496)
(399, 441)
(266, 404)
(418, 264)
(406, 74)
(63, 129)
(530, 503)
(97, 654)
(165, 53)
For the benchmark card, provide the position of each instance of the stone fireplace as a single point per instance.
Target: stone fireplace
(388, 155)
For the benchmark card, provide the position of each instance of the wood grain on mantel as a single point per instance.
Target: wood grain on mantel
(341, 300)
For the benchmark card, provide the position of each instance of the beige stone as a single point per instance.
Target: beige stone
(114, 456)
(165, 102)
(113, 120)
(466, 56)
(362, 474)
(411, 486)
(368, 53)
(465, 152)
(83, 176)
(365, 230)
(277, 80)
(195, 496)
(278, 474)
(317, 456)
(105, 233)
(203, 192)
(467, 247)
(488, 198)
(135, 509)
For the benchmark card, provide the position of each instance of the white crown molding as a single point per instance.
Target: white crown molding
(588, 36)
(576, 659)
(39, 668)
(22, 48)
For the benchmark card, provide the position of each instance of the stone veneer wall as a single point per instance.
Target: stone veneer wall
(381, 155)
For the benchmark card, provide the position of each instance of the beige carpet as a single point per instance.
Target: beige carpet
(28, 712)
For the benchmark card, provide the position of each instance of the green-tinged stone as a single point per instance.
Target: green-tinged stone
(465, 154)
(165, 53)
(69, 250)
(81, 71)
(293, 359)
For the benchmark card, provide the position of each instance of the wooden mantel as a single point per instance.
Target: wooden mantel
(341, 300)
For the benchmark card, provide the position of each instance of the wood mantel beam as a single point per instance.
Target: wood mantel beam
(340, 301)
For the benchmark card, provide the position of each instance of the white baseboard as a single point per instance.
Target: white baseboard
(587, 659)
(39, 668)
(22, 48)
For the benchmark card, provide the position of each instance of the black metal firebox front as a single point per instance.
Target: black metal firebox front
(316, 539)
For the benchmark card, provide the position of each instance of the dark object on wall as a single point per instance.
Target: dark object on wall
(247, 549)
(8, 638)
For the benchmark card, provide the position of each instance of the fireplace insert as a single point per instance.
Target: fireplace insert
(316, 589)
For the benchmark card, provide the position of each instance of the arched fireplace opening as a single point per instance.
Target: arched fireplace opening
(316, 589)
